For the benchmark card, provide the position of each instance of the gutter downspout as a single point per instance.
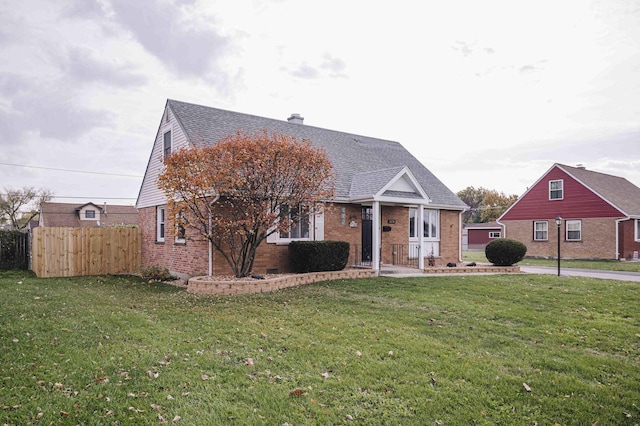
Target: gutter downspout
(460, 236)
(216, 198)
(504, 229)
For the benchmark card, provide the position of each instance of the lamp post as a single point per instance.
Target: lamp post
(558, 223)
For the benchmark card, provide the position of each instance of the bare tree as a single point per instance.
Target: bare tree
(19, 206)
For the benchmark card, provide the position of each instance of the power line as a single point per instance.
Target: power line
(69, 170)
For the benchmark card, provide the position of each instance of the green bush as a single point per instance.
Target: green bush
(316, 256)
(505, 252)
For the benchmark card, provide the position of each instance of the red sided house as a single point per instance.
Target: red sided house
(387, 205)
(600, 215)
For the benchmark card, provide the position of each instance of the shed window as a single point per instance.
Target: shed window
(541, 230)
(556, 189)
(90, 214)
(574, 230)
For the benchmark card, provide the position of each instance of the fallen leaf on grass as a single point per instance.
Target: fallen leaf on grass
(325, 375)
(526, 387)
(153, 374)
(176, 419)
(358, 353)
(249, 362)
(296, 392)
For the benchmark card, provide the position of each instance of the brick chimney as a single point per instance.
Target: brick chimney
(296, 119)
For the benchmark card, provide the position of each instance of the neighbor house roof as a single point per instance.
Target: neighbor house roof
(351, 155)
(67, 215)
(618, 191)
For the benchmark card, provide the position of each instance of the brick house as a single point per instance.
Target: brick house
(87, 215)
(600, 215)
(384, 198)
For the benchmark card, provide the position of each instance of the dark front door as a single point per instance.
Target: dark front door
(367, 234)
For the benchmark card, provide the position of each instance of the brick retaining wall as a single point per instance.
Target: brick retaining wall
(208, 285)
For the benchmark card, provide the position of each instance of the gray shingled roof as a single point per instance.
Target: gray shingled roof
(617, 190)
(350, 154)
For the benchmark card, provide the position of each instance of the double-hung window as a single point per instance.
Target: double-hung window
(574, 230)
(637, 233)
(160, 223)
(298, 218)
(556, 189)
(540, 230)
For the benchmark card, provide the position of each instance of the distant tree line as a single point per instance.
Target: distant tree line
(485, 205)
(19, 206)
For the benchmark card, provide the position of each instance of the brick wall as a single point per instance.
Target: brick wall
(191, 258)
(627, 239)
(449, 237)
(598, 239)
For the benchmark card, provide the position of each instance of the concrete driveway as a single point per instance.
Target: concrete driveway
(575, 272)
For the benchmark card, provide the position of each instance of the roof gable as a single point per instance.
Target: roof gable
(387, 185)
(351, 155)
(586, 194)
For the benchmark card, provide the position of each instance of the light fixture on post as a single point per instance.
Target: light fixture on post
(558, 223)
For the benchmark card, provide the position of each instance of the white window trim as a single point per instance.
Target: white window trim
(495, 234)
(561, 189)
(637, 230)
(566, 228)
(535, 231)
(161, 219)
(425, 216)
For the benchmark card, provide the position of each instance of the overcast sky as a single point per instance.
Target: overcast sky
(485, 93)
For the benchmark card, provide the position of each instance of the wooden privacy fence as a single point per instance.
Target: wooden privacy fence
(71, 252)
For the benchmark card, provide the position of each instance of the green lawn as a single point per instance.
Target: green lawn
(426, 351)
(606, 265)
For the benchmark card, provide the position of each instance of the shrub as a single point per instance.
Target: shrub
(157, 273)
(316, 256)
(505, 252)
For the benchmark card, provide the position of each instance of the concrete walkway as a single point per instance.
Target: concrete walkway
(400, 272)
(576, 272)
